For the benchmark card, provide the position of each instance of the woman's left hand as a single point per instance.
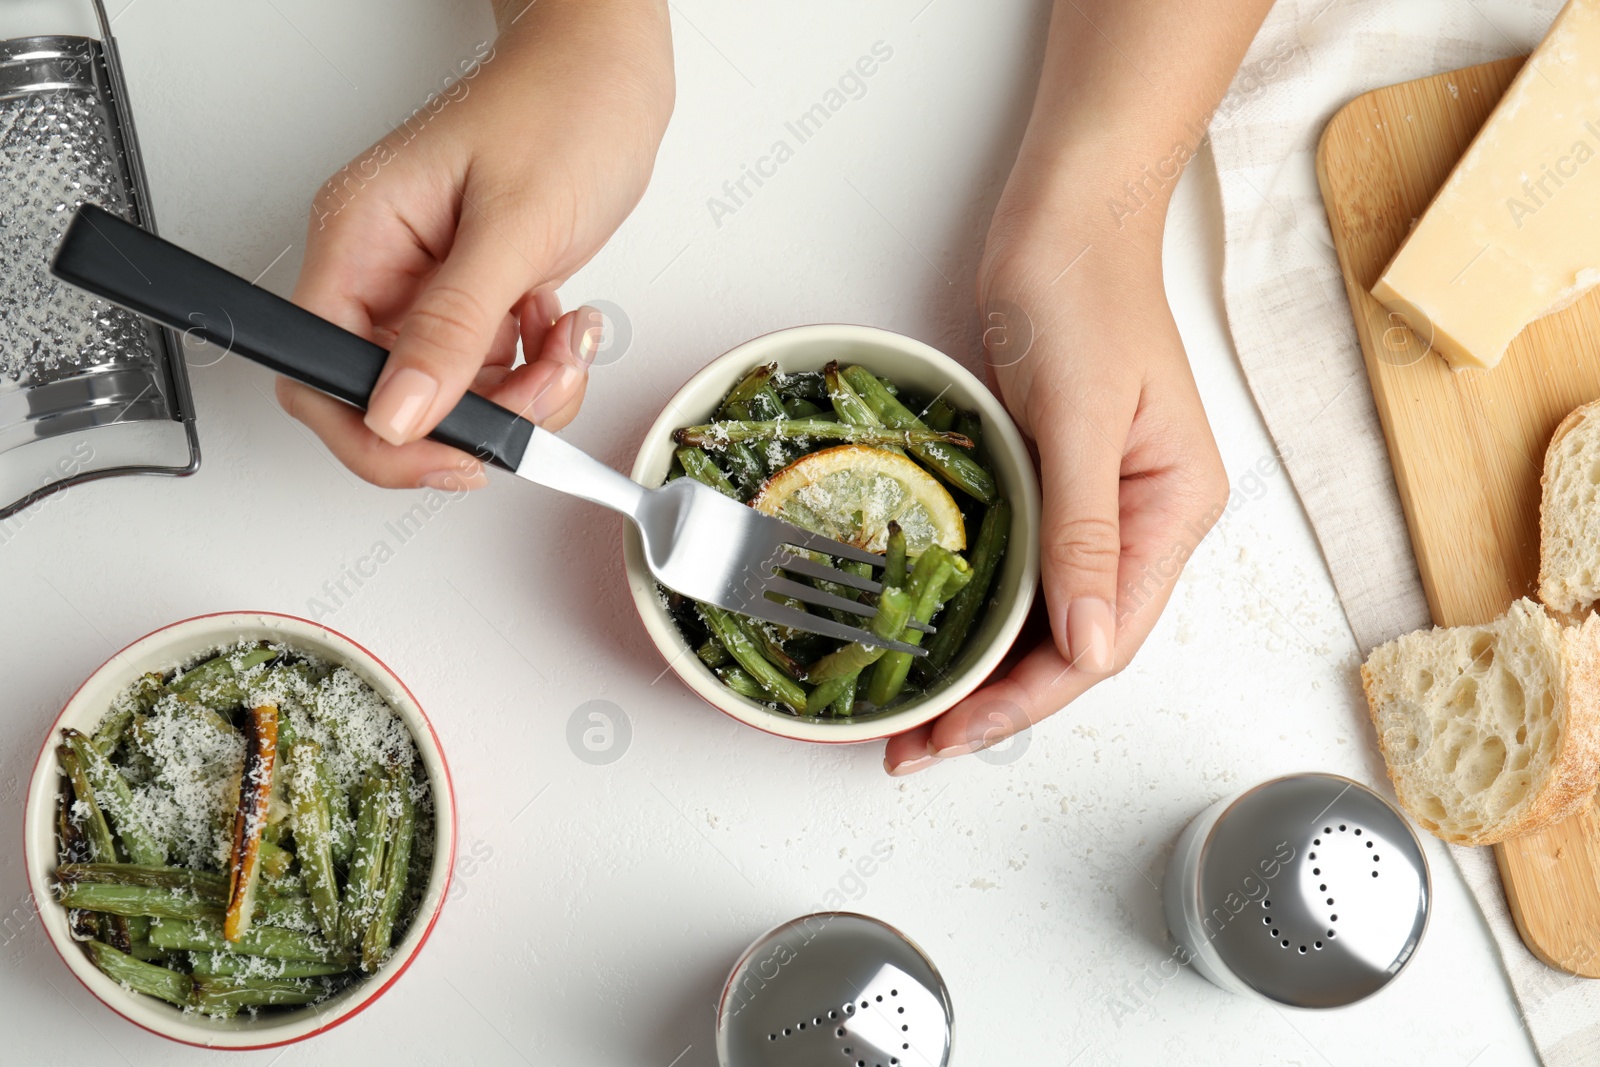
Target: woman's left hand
(1130, 474)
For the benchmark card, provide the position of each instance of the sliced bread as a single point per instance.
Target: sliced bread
(1569, 513)
(1490, 731)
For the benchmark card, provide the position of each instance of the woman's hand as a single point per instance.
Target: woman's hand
(1130, 473)
(1084, 351)
(445, 242)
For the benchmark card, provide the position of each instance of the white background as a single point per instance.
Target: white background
(606, 903)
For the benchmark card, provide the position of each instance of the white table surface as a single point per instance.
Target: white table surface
(598, 908)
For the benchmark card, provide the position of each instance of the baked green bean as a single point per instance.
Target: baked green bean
(376, 939)
(702, 468)
(139, 976)
(962, 610)
(362, 892)
(723, 436)
(229, 963)
(205, 935)
(726, 628)
(960, 469)
(313, 832)
(224, 995)
(927, 583)
(115, 798)
(96, 831)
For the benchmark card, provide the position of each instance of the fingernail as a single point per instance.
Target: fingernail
(455, 480)
(962, 748)
(557, 392)
(399, 404)
(588, 325)
(1091, 634)
(911, 766)
(547, 306)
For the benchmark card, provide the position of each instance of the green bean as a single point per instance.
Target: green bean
(279, 833)
(801, 409)
(139, 699)
(205, 935)
(208, 964)
(849, 406)
(894, 558)
(725, 435)
(71, 845)
(138, 901)
(962, 610)
(361, 892)
(863, 570)
(739, 680)
(927, 582)
(800, 385)
(747, 387)
(844, 705)
(701, 467)
(968, 425)
(144, 950)
(217, 679)
(96, 831)
(225, 995)
(84, 925)
(894, 609)
(275, 860)
(956, 467)
(210, 884)
(116, 800)
(726, 628)
(139, 976)
(712, 654)
(114, 931)
(341, 825)
(761, 635)
(291, 913)
(764, 404)
(748, 470)
(940, 415)
(396, 861)
(313, 832)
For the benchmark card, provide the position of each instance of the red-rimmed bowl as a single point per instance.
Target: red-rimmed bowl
(912, 365)
(174, 646)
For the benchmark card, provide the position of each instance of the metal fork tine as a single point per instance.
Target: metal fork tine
(793, 535)
(813, 569)
(811, 595)
(783, 615)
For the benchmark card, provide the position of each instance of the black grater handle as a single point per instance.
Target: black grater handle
(117, 260)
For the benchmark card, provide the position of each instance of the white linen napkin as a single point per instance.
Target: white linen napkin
(1296, 341)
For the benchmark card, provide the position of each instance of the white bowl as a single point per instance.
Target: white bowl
(913, 366)
(173, 646)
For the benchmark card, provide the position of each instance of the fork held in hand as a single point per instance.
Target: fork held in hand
(696, 541)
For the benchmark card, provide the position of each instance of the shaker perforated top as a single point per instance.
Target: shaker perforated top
(1313, 890)
(834, 988)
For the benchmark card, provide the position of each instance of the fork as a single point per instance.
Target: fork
(697, 541)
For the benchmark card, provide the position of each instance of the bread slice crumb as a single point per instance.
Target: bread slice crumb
(1569, 514)
(1490, 731)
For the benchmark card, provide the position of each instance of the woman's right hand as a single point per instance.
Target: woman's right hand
(446, 240)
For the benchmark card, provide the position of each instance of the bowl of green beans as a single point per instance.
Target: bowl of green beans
(240, 830)
(879, 440)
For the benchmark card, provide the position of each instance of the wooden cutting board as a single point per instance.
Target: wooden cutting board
(1467, 446)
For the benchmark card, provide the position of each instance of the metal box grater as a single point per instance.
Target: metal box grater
(87, 390)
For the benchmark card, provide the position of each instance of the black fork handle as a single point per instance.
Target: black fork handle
(128, 266)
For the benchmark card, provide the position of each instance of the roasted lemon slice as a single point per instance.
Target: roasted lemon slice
(851, 493)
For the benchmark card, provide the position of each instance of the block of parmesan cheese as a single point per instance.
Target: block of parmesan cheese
(1514, 233)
